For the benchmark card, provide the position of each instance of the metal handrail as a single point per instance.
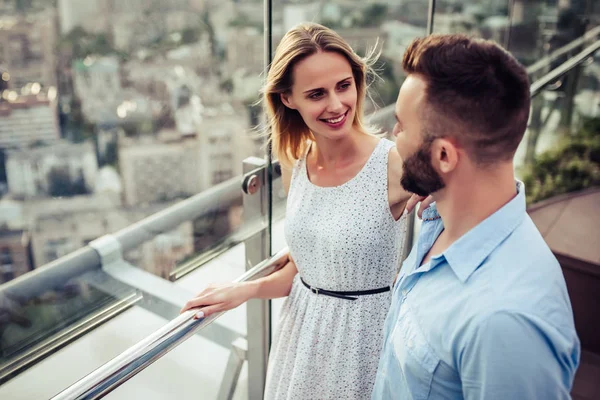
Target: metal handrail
(132, 361)
(564, 68)
(85, 259)
(545, 61)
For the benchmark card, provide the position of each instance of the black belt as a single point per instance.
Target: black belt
(345, 295)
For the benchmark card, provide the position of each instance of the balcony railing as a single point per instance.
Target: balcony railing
(138, 357)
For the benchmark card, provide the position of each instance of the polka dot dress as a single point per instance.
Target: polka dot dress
(342, 238)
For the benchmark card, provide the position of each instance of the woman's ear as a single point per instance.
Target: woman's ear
(287, 101)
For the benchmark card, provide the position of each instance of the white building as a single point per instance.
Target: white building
(27, 119)
(87, 14)
(61, 226)
(159, 169)
(98, 85)
(294, 14)
(245, 50)
(173, 165)
(29, 170)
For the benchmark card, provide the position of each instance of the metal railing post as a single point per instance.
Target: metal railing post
(256, 206)
(239, 348)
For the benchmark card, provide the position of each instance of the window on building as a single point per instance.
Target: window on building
(6, 265)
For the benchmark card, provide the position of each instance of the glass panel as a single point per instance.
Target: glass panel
(120, 112)
(42, 321)
(105, 121)
(539, 28)
(560, 152)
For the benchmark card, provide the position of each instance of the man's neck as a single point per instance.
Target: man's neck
(469, 200)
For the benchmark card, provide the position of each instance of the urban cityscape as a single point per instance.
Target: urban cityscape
(113, 110)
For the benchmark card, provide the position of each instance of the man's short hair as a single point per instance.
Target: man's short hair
(477, 93)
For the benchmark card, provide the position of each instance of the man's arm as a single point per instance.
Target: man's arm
(512, 356)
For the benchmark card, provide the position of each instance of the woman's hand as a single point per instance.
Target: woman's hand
(223, 297)
(414, 199)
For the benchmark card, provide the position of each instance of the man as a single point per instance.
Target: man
(480, 309)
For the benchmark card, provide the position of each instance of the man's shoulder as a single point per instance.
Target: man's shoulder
(526, 247)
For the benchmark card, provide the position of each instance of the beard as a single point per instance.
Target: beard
(418, 175)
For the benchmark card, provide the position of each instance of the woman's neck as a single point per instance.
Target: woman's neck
(329, 153)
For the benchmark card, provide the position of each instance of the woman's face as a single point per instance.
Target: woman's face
(324, 93)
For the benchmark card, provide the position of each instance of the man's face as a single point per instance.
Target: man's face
(418, 176)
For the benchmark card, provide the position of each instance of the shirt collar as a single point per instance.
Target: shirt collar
(467, 253)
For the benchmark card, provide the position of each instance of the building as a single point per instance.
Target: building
(25, 120)
(27, 49)
(175, 164)
(14, 242)
(88, 14)
(227, 139)
(14, 254)
(130, 31)
(245, 50)
(297, 13)
(158, 169)
(61, 169)
(163, 253)
(363, 39)
(61, 226)
(97, 84)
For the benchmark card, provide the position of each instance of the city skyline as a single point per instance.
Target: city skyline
(150, 102)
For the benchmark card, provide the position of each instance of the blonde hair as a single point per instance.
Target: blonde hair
(289, 133)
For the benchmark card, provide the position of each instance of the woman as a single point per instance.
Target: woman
(345, 223)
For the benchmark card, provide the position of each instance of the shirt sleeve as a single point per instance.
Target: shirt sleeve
(512, 356)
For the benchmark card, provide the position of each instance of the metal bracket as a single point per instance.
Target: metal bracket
(109, 249)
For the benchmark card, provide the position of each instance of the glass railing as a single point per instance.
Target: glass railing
(561, 101)
(559, 163)
(129, 363)
(50, 307)
(118, 119)
(205, 60)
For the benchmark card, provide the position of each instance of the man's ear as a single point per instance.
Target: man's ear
(286, 99)
(444, 155)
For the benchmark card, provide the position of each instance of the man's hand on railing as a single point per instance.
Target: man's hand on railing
(221, 297)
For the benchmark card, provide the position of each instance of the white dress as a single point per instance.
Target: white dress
(341, 238)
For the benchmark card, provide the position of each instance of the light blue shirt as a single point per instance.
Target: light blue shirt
(489, 318)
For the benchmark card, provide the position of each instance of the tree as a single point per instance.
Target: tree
(83, 44)
(572, 166)
(372, 16)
